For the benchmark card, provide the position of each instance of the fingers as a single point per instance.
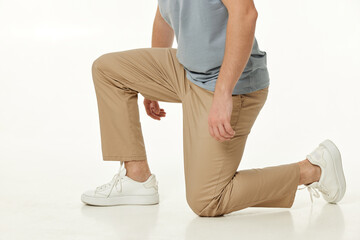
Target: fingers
(153, 110)
(221, 132)
(228, 129)
(150, 114)
(217, 134)
(155, 107)
(154, 115)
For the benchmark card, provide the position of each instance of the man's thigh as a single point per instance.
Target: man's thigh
(155, 73)
(209, 164)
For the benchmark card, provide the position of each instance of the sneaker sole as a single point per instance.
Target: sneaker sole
(125, 200)
(337, 162)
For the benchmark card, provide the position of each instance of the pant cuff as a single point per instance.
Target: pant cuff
(125, 158)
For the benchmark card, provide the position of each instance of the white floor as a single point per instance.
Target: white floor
(40, 199)
(49, 132)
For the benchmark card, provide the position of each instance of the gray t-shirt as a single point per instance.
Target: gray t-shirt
(200, 31)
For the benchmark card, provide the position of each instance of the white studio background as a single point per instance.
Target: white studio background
(50, 138)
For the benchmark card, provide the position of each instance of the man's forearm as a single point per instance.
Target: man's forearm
(238, 45)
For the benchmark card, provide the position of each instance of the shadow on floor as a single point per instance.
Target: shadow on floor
(258, 224)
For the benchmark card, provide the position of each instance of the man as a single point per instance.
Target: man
(220, 76)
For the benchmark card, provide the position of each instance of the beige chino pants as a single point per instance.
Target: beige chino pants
(214, 187)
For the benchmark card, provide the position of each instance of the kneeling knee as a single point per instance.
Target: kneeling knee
(203, 208)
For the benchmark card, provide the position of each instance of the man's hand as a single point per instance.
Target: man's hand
(153, 110)
(220, 116)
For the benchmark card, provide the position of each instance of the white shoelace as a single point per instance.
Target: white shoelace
(114, 182)
(312, 189)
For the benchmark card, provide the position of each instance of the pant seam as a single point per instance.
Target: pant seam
(239, 107)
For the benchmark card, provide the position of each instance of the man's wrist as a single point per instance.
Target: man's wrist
(223, 88)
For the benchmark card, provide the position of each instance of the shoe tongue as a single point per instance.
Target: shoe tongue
(123, 172)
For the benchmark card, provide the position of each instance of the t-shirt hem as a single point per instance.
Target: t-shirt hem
(252, 83)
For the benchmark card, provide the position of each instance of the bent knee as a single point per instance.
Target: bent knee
(204, 208)
(101, 62)
(102, 68)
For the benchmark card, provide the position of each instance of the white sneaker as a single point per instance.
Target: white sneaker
(123, 190)
(332, 183)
